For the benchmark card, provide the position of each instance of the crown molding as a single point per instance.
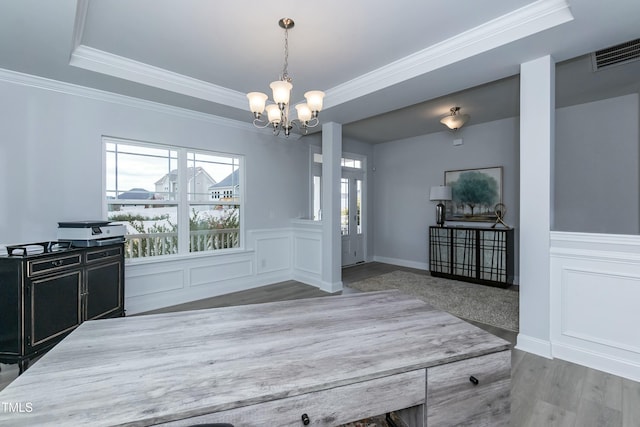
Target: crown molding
(528, 20)
(128, 101)
(78, 23)
(114, 98)
(107, 63)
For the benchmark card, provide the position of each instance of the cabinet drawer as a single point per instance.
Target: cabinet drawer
(47, 265)
(103, 254)
(326, 408)
(453, 400)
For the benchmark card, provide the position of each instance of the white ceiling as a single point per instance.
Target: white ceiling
(371, 57)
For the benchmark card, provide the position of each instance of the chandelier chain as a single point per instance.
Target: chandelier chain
(285, 75)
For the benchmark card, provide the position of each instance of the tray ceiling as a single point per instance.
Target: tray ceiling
(370, 57)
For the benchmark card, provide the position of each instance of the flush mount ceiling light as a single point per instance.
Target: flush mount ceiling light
(455, 120)
(278, 112)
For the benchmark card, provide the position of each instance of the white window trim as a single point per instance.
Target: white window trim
(183, 203)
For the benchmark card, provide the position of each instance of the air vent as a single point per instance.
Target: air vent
(616, 55)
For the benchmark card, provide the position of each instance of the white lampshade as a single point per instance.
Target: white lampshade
(273, 112)
(281, 91)
(304, 112)
(257, 101)
(314, 99)
(455, 120)
(440, 193)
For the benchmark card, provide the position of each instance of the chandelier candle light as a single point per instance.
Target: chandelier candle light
(278, 112)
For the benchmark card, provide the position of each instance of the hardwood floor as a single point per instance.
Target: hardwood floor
(544, 392)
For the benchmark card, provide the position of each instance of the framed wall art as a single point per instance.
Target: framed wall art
(474, 194)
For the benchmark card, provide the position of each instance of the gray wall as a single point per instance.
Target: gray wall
(596, 178)
(51, 167)
(51, 160)
(406, 169)
(596, 167)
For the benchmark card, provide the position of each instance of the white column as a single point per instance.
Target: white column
(331, 239)
(537, 134)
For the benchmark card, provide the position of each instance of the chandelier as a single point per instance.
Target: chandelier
(278, 113)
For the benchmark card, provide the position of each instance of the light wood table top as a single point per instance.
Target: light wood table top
(158, 368)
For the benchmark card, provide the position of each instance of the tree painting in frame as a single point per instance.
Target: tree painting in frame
(474, 194)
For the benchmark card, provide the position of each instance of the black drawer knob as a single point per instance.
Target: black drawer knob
(474, 380)
(305, 419)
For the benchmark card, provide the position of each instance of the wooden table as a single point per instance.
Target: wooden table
(335, 359)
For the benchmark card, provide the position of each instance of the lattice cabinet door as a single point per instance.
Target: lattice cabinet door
(493, 253)
(440, 250)
(464, 252)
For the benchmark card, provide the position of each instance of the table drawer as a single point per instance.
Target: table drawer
(326, 408)
(454, 400)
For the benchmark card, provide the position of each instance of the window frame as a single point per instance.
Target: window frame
(182, 202)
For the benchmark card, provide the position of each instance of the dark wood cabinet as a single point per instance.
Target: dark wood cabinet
(472, 254)
(104, 283)
(44, 297)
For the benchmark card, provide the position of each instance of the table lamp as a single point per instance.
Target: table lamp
(441, 193)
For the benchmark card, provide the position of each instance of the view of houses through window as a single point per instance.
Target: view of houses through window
(173, 200)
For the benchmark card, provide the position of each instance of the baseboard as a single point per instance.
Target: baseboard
(402, 262)
(307, 278)
(312, 280)
(332, 288)
(602, 362)
(534, 345)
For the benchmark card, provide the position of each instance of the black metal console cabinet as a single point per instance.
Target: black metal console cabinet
(472, 254)
(44, 297)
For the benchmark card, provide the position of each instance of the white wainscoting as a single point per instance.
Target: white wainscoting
(595, 294)
(152, 285)
(307, 253)
(273, 251)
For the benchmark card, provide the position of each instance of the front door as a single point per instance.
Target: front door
(351, 218)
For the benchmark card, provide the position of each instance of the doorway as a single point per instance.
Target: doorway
(352, 202)
(351, 228)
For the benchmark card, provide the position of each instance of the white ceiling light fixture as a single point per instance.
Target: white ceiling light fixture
(455, 120)
(278, 112)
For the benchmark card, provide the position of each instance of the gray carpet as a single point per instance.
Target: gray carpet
(485, 304)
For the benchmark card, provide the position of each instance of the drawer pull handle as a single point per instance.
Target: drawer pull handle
(305, 419)
(57, 263)
(474, 380)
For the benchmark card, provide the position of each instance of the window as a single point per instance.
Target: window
(345, 162)
(173, 200)
(351, 163)
(344, 206)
